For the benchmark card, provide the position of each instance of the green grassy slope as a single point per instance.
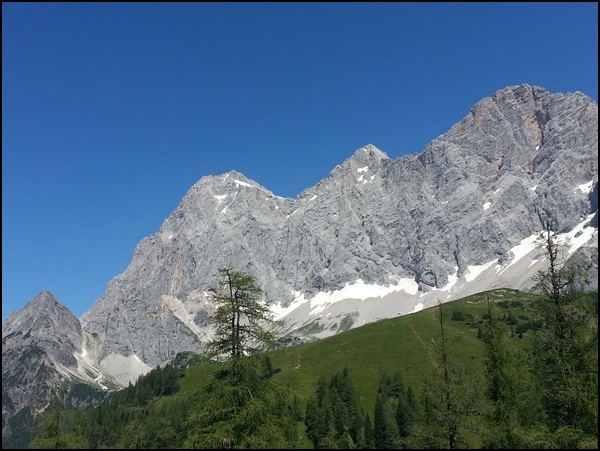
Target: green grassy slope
(400, 344)
(403, 345)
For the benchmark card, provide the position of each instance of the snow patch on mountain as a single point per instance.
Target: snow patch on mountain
(366, 303)
(357, 290)
(586, 187)
(240, 183)
(476, 270)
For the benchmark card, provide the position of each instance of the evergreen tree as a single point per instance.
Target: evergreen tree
(385, 428)
(369, 433)
(394, 404)
(510, 402)
(50, 435)
(334, 417)
(242, 407)
(565, 356)
(448, 402)
(242, 325)
(321, 418)
(350, 416)
(61, 429)
(406, 417)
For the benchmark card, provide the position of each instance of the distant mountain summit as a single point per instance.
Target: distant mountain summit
(42, 347)
(377, 238)
(47, 324)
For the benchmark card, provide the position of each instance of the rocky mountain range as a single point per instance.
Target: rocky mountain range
(377, 238)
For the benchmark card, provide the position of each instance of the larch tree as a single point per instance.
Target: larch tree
(242, 406)
(449, 402)
(242, 324)
(565, 357)
(511, 398)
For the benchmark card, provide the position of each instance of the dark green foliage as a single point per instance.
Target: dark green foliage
(511, 319)
(242, 407)
(565, 352)
(499, 366)
(565, 362)
(369, 432)
(512, 400)
(458, 316)
(61, 429)
(528, 325)
(185, 360)
(162, 381)
(449, 400)
(406, 416)
(146, 428)
(553, 401)
(334, 415)
(395, 413)
(117, 423)
(249, 404)
(385, 428)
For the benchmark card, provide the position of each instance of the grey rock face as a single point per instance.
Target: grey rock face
(37, 341)
(469, 197)
(47, 323)
(158, 306)
(437, 218)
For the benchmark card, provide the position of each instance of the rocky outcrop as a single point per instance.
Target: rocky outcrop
(40, 347)
(376, 238)
(467, 199)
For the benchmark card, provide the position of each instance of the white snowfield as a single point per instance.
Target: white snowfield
(369, 303)
(364, 303)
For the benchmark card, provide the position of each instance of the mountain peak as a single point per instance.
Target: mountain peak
(44, 309)
(231, 180)
(368, 156)
(40, 305)
(46, 324)
(369, 152)
(523, 93)
(45, 297)
(45, 303)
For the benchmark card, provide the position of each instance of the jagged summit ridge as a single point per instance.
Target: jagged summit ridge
(377, 237)
(467, 199)
(421, 221)
(368, 159)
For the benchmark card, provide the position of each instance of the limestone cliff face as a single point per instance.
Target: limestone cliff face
(452, 220)
(468, 198)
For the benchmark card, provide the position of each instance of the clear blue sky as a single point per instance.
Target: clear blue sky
(112, 111)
